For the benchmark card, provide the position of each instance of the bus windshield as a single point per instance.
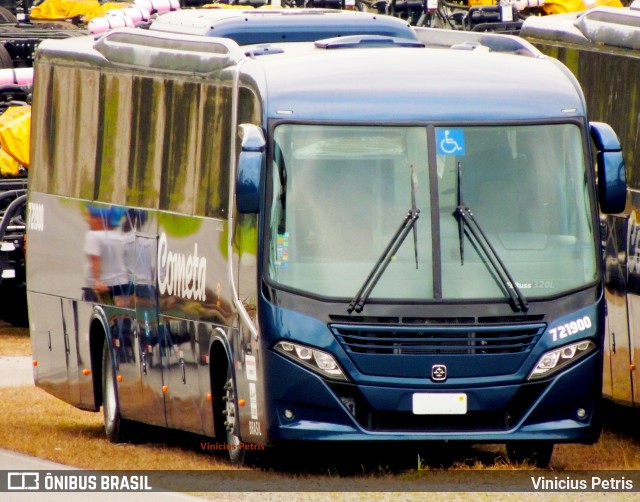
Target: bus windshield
(339, 195)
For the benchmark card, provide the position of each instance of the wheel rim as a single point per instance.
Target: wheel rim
(230, 408)
(110, 396)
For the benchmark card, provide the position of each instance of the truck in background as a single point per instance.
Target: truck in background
(15, 99)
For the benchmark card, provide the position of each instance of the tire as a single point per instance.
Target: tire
(7, 17)
(236, 453)
(224, 411)
(114, 425)
(6, 61)
(536, 453)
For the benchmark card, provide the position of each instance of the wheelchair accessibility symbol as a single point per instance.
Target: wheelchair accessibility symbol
(450, 141)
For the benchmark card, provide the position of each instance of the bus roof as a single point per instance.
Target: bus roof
(257, 26)
(406, 84)
(359, 78)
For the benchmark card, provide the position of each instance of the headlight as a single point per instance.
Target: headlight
(557, 359)
(314, 359)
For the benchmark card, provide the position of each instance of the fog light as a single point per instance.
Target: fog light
(581, 413)
(288, 414)
(350, 404)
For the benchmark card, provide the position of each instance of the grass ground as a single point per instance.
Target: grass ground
(77, 438)
(14, 341)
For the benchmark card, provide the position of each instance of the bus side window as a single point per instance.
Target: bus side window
(145, 156)
(178, 184)
(212, 176)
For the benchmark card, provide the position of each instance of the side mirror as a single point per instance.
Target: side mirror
(612, 184)
(250, 167)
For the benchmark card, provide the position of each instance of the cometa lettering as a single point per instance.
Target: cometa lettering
(180, 274)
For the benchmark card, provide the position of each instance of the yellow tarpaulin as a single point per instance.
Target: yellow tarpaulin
(15, 127)
(557, 6)
(67, 9)
(564, 6)
(8, 165)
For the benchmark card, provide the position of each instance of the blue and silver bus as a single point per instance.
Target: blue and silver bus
(370, 237)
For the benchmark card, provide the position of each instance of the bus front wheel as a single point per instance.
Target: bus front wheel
(536, 453)
(236, 451)
(114, 424)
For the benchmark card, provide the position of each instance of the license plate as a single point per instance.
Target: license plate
(439, 404)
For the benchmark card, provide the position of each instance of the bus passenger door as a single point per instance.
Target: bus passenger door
(617, 377)
(245, 270)
(246, 342)
(151, 341)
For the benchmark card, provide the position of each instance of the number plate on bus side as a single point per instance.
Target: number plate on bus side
(439, 404)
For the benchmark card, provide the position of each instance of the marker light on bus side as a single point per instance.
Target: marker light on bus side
(314, 359)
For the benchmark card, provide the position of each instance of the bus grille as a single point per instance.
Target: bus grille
(438, 339)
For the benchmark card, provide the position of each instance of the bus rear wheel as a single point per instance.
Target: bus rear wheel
(536, 453)
(114, 425)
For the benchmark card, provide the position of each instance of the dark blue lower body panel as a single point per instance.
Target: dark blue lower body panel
(322, 410)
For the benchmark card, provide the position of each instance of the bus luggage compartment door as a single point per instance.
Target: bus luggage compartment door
(617, 378)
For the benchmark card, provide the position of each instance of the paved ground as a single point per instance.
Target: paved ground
(16, 462)
(17, 372)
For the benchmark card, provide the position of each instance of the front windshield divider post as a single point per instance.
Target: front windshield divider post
(460, 220)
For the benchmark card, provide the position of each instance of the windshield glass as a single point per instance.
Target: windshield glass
(340, 194)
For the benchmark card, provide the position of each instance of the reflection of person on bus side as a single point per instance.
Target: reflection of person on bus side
(106, 272)
(138, 256)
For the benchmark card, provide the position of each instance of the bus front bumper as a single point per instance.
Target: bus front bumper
(561, 409)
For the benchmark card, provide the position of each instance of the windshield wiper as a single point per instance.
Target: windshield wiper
(414, 209)
(469, 225)
(408, 224)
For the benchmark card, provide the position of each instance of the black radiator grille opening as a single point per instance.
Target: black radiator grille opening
(437, 340)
